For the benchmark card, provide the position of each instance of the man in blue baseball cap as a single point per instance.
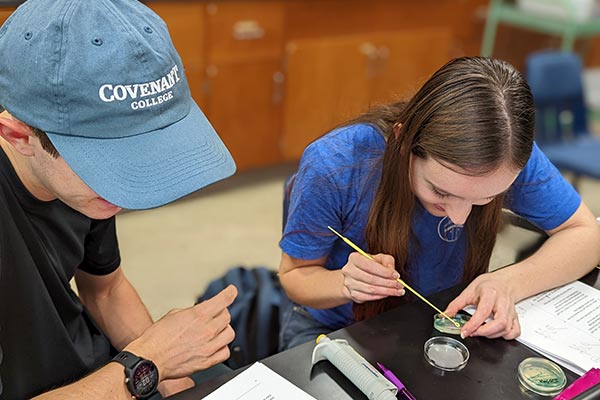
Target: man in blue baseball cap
(97, 116)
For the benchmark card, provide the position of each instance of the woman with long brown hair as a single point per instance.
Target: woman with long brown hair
(421, 185)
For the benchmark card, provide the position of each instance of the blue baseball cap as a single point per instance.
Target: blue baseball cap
(104, 81)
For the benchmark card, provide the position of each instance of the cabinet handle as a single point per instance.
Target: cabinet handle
(278, 79)
(290, 48)
(248, 30)
(377, 58)
(210, 72)
(206, 87)
(370, 50)
(383, 53)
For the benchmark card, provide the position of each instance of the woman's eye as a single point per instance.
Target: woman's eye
(438, 193)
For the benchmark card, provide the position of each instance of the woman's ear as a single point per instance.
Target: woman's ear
(18, 134)
(396, 129)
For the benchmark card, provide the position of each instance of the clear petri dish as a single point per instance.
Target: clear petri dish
(446, 353)
(541, 376)
(442, 324)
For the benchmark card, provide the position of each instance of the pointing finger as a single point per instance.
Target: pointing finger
(216, 304)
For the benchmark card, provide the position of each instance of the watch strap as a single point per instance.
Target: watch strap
(127, 359)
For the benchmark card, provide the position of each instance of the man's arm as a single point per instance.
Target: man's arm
(181, 343)
(114, 305)
(106, 383)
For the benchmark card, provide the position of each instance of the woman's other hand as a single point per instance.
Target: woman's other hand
(496, 315)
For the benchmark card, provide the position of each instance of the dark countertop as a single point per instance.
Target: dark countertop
(490, 374)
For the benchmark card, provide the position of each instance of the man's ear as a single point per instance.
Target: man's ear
(18, 134)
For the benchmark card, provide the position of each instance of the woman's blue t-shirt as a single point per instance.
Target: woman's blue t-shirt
(335, 185)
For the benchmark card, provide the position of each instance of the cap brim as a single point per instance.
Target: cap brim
(151, 169)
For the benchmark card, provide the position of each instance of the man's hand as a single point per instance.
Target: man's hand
(188, 340)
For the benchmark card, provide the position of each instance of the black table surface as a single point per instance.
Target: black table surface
(396, 339)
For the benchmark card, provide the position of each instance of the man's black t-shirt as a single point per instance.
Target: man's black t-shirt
(46, 337)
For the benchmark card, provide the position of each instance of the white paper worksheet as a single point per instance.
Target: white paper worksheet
(564, 325)
(259, 382)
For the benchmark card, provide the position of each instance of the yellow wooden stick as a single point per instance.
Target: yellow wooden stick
(361, 251)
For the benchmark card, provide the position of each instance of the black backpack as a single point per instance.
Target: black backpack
(254, 313)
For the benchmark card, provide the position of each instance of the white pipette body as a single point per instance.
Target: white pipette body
(358, 370)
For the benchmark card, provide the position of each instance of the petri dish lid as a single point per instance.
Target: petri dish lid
(446, 353)
(441, 323)
(541, 376)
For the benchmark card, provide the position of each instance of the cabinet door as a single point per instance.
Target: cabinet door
(326, 82)
(185, 20)
(406, 60)
(244, 106)
(243, 78)
(331, 80)
(243, 30)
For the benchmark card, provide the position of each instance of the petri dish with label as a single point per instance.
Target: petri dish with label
(541, 376)
(446, 353)
(442, 324)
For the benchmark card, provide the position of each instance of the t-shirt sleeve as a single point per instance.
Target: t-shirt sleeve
(315, 203)
(541, 194)
(102, 254)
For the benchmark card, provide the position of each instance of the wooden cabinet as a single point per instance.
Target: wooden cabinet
(244, 106)
(272, 75)
(330, 80)
(243, 78)
(240, 31)
(325, 83)
(278, 74)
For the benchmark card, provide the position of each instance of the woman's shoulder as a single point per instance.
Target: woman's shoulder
(538, 168)
(348, 143)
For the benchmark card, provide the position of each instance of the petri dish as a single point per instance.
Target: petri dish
(446, 353)
(441, 323)
(541, 376)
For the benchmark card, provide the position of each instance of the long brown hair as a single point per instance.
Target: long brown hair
(474, 113)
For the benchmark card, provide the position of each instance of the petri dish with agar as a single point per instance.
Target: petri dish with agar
(441, 323)
(541, 376)
(446, 353)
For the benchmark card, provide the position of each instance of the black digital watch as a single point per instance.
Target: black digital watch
(141, 375)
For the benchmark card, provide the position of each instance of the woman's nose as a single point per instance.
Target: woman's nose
(458, 212)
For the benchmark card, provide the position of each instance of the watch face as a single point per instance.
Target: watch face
(145, 378)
